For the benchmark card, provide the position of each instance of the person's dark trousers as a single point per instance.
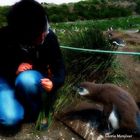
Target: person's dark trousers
(32, 96)
(25, 101)
(29, 90)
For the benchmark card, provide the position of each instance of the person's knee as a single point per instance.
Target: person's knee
(28, 79)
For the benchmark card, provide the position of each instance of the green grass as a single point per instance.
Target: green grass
(66, 94)
(116, 74)
(117, 23)
(83, 66)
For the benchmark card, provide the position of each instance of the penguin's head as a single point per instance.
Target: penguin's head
(82, 89)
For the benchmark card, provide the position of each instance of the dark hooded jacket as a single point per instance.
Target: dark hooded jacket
(42, 57)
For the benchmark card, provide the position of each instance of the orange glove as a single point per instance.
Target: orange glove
(47, 84)
(24, 66)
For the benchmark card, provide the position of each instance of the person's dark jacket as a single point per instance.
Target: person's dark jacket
(48, 54)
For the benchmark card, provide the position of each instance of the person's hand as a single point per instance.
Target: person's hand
(47, 84)
(23, 67)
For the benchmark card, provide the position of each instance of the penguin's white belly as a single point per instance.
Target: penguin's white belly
(114, 120)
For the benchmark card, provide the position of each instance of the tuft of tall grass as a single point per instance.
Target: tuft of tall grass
(83, 66)
(66, 95)
(89, 65)
(45, 117)
(116, 74)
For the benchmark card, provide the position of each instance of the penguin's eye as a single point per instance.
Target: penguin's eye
(82, 91)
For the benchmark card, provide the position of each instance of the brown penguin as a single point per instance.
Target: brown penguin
(119, 107)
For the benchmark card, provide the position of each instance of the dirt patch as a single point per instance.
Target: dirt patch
(57, 131)
(131, 63)
(131, 69)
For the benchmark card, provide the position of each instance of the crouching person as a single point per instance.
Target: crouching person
(31, 63)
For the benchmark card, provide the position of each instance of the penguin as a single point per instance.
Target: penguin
(120, 110)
